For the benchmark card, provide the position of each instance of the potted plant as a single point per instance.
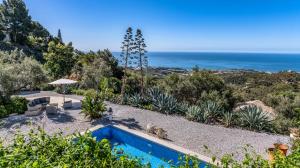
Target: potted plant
(271, 153)
(283, 148)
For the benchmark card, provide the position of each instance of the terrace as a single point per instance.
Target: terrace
(181, 132)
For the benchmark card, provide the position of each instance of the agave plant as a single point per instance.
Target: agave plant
(254, 118)
(154, 93)
(165, 103)
(136, 100)
(195, 113)
(228, 119)
(212, 110)
(183, 108)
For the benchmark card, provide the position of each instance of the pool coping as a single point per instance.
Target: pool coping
(159, 141)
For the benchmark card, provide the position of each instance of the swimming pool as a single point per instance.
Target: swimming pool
(136, 146)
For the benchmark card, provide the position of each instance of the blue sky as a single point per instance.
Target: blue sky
(175, 25)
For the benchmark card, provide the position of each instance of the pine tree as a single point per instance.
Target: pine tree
(140, 55)
(15, 20)
(59, 36)
(127, 50)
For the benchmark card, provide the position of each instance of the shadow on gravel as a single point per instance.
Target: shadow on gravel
(15, 122)
(23, 93)
(129, 122)
(62, 117)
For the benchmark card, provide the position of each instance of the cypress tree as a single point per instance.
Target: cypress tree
(127, 50)
(59, 36)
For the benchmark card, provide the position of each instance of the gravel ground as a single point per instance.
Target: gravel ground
(190, 135)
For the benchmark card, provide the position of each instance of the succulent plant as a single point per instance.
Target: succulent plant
(183, 108)
(211, 110)
(254, 118)
(154, 93)
(136, 100)
(165, 103)
(228, 119)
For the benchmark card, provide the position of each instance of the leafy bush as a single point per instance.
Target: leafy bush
(12, 105)
(3, 112)
(19, 104)
(42, 150)
(254, 118)
(93, 106)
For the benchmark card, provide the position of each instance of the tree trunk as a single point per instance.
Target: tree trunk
(124, 79)
(142, 74)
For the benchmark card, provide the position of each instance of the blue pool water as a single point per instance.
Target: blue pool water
(149, 152)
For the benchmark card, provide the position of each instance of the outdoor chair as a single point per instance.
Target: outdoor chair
(52, 108)
(67, 104)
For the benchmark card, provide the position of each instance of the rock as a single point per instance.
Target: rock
(294, 133)
(150, 128)
(161, 133)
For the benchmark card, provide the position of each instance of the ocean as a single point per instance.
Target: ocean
(268, 62)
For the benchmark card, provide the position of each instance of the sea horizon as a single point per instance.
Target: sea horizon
(257, 61)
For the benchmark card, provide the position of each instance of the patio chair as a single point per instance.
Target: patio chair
(67, 104)
(52, 108)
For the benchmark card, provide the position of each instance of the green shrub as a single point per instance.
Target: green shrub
(19, 104)
(254, 118)
(93, 106)
(40, 150)
(3, 112)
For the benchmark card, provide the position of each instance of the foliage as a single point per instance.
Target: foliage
(16, 76)
(42, 150)
(59, 59)
(3, 111)
(254, 118)
(19, 104)
(199, 86)
(93, 106)
(18, 31)
(93, 66)
(12, 105)
(15, 20)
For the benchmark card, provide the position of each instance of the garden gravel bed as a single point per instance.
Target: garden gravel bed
(184, 133)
